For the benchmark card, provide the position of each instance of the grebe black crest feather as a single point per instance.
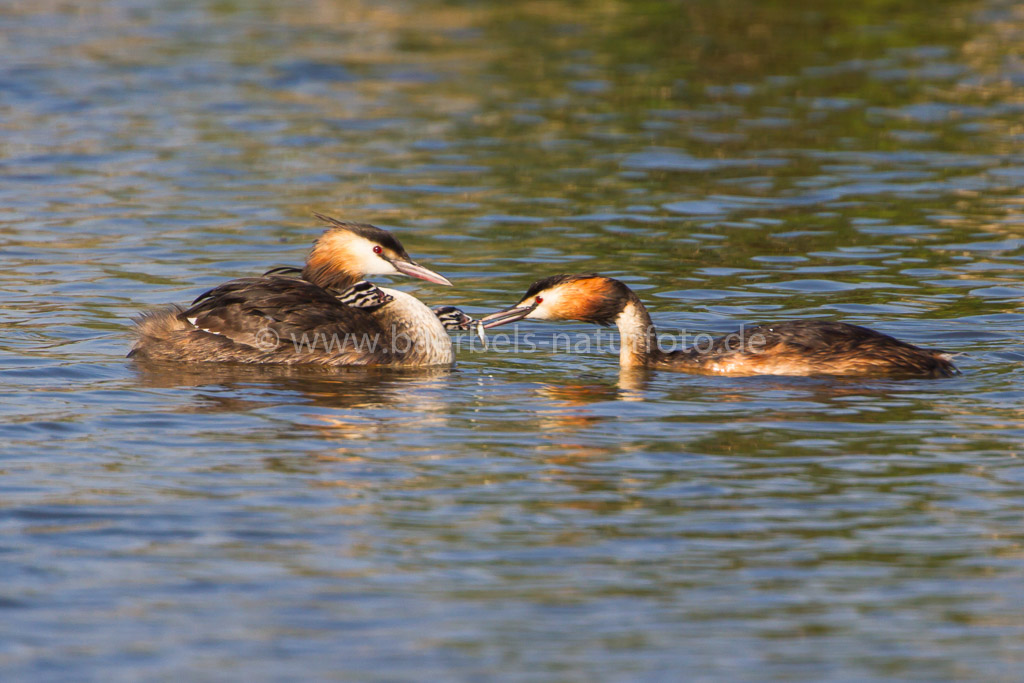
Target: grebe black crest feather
(367, 231)
(555, 280)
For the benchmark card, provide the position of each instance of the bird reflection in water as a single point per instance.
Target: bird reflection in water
(238, 388)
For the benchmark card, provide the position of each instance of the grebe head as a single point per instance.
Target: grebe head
(347, 252)
(588, 297)
(452, 318)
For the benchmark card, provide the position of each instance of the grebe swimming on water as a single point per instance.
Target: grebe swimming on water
(328, 316)
(796, 347)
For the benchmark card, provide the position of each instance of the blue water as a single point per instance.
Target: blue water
(531, 515)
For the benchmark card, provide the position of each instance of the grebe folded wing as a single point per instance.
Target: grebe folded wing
(286, 314)
(810, 347)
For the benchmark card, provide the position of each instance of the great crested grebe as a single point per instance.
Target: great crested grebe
(796, 347)
(328, 316)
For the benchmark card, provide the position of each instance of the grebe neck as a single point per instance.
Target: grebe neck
(415, 331)
(638, 340)
(330, 264)
(326, 275)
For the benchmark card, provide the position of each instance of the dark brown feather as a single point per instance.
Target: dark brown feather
(238, 321)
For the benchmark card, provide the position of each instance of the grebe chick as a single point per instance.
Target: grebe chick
(328, 316)
(796, 347)
(453, 319)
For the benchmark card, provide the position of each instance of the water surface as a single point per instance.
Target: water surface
(531, 515)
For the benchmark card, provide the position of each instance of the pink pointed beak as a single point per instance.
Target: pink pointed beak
(413, 269)
(509, 315)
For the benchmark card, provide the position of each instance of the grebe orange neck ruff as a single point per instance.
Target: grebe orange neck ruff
(321, 318)
(797, 347)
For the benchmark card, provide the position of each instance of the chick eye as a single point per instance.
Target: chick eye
(377, 249)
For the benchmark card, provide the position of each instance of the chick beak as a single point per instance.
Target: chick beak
(413, 269)
(509, 315)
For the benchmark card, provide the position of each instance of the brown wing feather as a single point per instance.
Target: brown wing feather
(268, 320)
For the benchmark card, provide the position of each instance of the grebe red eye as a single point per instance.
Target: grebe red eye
(538, 300)
(377, 249)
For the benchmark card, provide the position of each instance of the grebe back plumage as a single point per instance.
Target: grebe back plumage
(797, 347)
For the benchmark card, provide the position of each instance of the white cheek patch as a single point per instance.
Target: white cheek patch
(551, 302)
(363, 258)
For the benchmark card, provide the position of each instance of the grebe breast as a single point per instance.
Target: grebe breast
(415, 332)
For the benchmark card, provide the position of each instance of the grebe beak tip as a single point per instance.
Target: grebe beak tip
(509, 315)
